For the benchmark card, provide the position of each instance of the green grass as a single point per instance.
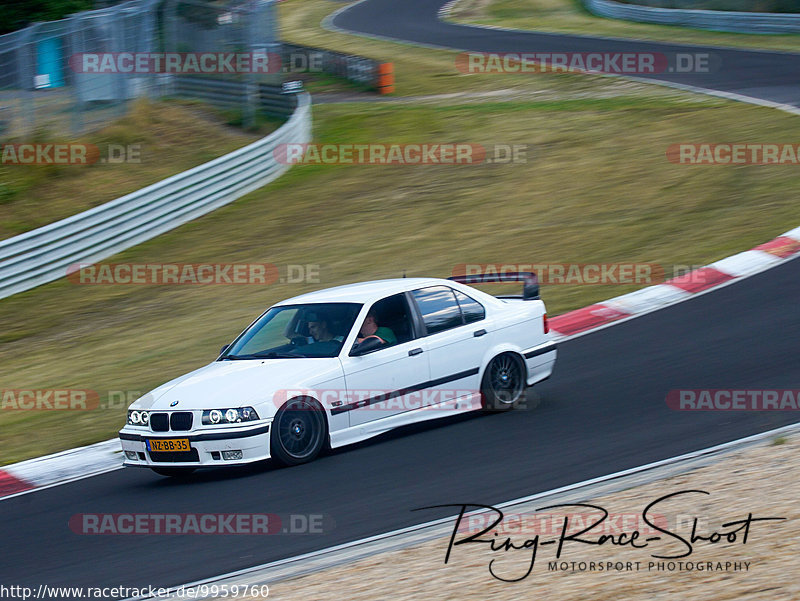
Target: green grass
(596, 188)
(417, 70)
(570, 16)
(171, 137)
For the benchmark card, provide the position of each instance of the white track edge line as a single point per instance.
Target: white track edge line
(92, 474)
(557, 339)
(709, 451)
(327, 23)
(445, 11)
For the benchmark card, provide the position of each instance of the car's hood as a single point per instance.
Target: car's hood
(225, 384)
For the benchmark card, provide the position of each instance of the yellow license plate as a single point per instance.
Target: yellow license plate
(162, 445)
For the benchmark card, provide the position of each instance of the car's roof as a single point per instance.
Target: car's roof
(364, 292)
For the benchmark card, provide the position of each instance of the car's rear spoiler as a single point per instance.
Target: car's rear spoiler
(530, 286)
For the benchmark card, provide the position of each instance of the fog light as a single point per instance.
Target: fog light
(231, 455)
(131, 455)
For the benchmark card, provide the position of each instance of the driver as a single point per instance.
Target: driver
(371, 329)
(319, 330)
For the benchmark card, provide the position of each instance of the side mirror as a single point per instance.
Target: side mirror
(369, 345)
(224, 348)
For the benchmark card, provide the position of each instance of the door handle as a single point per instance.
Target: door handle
(479, 333)
(414, 351)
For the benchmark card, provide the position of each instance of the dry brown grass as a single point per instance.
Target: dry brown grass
(170, 137)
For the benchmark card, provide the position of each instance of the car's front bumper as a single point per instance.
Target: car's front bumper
(207, 446)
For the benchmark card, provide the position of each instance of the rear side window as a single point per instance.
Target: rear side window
(473, 311)
(439, 308)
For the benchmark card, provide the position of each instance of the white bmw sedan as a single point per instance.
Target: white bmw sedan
(337, 366)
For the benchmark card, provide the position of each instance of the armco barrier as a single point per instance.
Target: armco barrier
(43, 255)
(354, 68)
(740, 22)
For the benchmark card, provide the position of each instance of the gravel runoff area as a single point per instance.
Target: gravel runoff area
(760, 479)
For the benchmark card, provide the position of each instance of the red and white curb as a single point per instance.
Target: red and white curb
(710, 277)
(59, 468)
(51, 470)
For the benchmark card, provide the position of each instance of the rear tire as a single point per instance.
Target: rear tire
(299, 432)
(174, 472)
(503, 384)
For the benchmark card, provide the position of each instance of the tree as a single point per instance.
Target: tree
(16, 14)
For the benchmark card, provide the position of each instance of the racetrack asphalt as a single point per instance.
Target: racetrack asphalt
(603, 410)
(762, 74)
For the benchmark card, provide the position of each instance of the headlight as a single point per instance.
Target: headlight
(214, 417)
(138, 418)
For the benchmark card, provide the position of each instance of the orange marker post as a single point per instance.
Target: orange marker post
(386, 78)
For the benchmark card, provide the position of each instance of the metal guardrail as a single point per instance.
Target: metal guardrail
(739, 22)
(44, 254)
(352, 67)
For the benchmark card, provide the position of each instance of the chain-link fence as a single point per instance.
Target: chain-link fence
(73, 75)
(41, 85)
(238, 51)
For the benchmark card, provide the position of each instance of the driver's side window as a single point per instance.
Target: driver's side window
(388, 320)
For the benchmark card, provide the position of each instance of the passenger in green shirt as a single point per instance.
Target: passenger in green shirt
(370, 328)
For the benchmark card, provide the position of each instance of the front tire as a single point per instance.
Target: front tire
(299, 432)
(503, 383)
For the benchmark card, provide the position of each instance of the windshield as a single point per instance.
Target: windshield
(291, 331)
